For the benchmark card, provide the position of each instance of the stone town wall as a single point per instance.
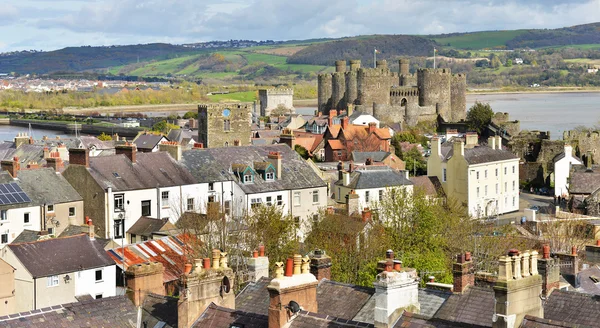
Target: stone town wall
(271, 98)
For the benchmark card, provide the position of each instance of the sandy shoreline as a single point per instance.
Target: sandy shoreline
(541, 91)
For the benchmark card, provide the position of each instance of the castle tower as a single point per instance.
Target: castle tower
(338, 85)
(405, 78)
(458, 97)
(404, 65)
(324, 96)
(351, 87)
(340, 66)
(355, 65)
(434, 90)
(225, 124)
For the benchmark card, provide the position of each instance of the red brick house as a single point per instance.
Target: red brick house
(342, 139)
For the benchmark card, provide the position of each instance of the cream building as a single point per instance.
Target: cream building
(485, 179)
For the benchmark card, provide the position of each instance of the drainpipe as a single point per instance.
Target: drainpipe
(108, 216)
(158, 202)
(34, 293)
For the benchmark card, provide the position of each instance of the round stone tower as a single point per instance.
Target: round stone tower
(458, 97)
(340, 66)
(434, 90)
(382, 64)
(324, 95)
(355, 65)
(338, 89)
(404, 66)
(351, 86)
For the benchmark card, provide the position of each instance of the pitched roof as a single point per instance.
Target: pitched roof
(335, 144)
(90, 141)
(147, 141)
(215, 164)
(45, 186)
(474, 307)
(376, 177)
(149, 171)
(586, 283)
(482, 154)
(117, 311)
(170, 251)
(430, 185)
(60, 255)
(146, 226)
(25, 152)
(27, 236)
(573, 307)
(308, 140)
(362, 156)
(584, 182)
(157, 309)
(73, 230)
(535, 322)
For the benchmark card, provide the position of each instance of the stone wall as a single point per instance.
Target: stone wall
(583, 142)
(212, 125)
(271, 98)
(434, 90)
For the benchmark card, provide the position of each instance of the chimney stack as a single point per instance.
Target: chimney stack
(569, 266)
(11, 166)
(345, 122)
(128, 149)
(352, 202)
(198, 145)
(458, 148)
(258, 266)
(592, 253)
(90, 224)
(287, 137)
(340, 169)
(332, 114)
(549, 270)
(372, 127)
(142, 279)
(462, 272)
(395, 292)
(492, 142)
(21, 139)
(54, 161)
(79, 156)
(588, 161)
(171, 147)
(366, 215)
(499, 142)
(275, 159)
(320, 265)
(471, 139)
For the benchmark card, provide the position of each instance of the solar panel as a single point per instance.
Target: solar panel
(11, 193)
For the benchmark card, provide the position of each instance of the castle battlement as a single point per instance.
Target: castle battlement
(278, 91)
(240, 105)
(376, 72)
(439, 71)
(404, 91)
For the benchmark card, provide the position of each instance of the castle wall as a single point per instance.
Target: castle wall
(584, 141)
(374, 85)
(338, 90)
(458, 97)
(324, 92)
(214, 131)
(389, 113)
(351, 88)
(271, 98)
(434, 90)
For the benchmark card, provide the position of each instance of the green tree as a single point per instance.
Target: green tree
(105, 137)
(479, 116)
(302, 151)
(496, 63)
(509, 63)
(189, 115)
(414, 161)
(280, 110)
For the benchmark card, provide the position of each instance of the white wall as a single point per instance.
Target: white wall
(15, 224)
(374, 198)
(562, 169)
(85, 282)
(505, 199)
(365, 119)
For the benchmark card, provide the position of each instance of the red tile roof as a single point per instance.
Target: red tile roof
(335, 144)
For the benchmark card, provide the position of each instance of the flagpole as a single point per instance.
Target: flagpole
(374, 57)
(433, 57)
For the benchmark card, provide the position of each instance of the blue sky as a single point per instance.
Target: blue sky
(49, 24)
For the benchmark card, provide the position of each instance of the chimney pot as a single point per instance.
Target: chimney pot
(546, 251)
(574, 250)
(389, 254)
(278, 270)
(261, 250)
(188, 268)
(297, 264)
(467, 256)
(397, 265)
(389, 265)
(216, 256)
(431, 278)
(460, 258)
(206, 263)
(254, 253)
(513, 252)
(289, 267)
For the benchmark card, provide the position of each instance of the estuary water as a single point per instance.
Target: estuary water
(554, 112)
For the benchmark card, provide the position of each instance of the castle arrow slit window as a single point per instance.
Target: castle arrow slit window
(226, 125)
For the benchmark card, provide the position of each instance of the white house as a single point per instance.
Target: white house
(120, 189)
(519, 61)
(562, 170)
(56, 270)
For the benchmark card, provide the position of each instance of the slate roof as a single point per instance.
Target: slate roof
(342, 300)
(586, 284)
(573, 307)
(73, 230)
(149, 171)
(117, 311)
(157, 309)
(60, 255)
(89, 142)
(254, 298)
(146, 226)
(535, 322)
(584, 182)
(147, 141)
(475, 307)
(430, 185)
(215, 164)
(376, 177)
(25, 152)
(377, 156)
(481, 154)
(45, 186)
(26, 236)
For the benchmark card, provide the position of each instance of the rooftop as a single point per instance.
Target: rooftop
(376, 177)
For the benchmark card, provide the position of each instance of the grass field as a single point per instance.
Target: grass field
(583, 61)
(162, 67)
(478, 40)
(578, 46)
(247, 96)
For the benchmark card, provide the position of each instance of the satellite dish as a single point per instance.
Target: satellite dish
(121, 215)
(294, 307)
(225, 286)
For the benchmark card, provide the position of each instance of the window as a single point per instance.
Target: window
(4, 238)
(505, 201)
(119, 202)
(144, 238)
(190, 204)
(513, 169)
(247, 178)
(255, 202)
(98, 275)
(26, 218)
(228, 207)
(226, 125)
(497, 189)
(164, 199)
(496, 172)
(50, 208)
(133, 238)
(366, 196)
(514, 185)
(270, 176)
(505, 170)
(211, 186)
(477, 191)
(296, 198)
(119, 228)
(279, 200)
(98, 296)
(315, 196)
(485, 174)
(269, 200)
(3, 215)
(51, 231)
(71, 211)
(477, 173)
(485, 190)
(513, 201)
(380, 195)
(444, 175)
(211, 199)
(146, 208)
(52, 281)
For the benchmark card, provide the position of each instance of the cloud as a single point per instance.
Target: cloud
(52, 24)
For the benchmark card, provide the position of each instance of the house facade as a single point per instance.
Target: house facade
(341, 140)
(483, 178)
(54, 271)
(562, 169)
(7, 288)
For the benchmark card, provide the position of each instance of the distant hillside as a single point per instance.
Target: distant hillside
(79, 59)
(389, 47)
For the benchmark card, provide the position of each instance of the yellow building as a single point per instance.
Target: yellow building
(485, 179)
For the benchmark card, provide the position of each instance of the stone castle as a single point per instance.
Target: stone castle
(394, 96)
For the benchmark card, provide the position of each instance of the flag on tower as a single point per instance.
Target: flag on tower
(376, 51)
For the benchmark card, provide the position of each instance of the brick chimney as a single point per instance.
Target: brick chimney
(471, 139)
(492, 142)
(332, 113)
(300, 287)
(462, 273)
(395, 292)
(142, 279)
(569, 266)
(79, 156)
(21, 139)
(258, 266)
(198, 145)
(11, 166)
(128, 149)
(275, 159)
(345, 122)
(32, 165)
(549, 270)
(352, 203)
(171, 147)
(210, 284)
(366, 215)
(287, 137)
(517, 290)
(320, 265)
(372, 127)
(54, 161)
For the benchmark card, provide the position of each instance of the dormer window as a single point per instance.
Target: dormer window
(270, 176)
(248, 178)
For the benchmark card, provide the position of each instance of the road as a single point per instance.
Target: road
(527, 200)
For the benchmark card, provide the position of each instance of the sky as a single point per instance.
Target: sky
(55, 24)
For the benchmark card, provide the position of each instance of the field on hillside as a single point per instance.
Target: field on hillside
(584, 61)
(247, 96)
(478, 40)
(284, 51)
